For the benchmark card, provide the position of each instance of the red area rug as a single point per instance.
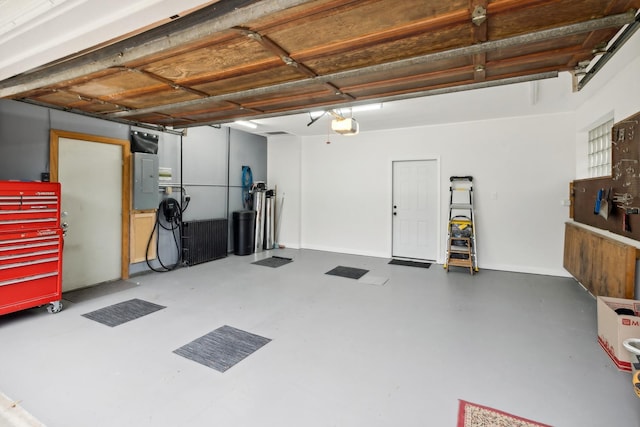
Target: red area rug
(472, 415)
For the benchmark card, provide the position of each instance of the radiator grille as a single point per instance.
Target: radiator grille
(204, 240)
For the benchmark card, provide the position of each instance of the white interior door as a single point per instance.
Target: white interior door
(90, 175)
(415, 209)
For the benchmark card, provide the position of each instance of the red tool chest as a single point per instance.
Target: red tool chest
(30, 246)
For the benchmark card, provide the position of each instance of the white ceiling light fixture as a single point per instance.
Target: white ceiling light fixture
(345, 126)
(341, 123)
(246, 123)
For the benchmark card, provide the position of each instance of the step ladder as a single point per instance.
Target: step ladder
(461, 230)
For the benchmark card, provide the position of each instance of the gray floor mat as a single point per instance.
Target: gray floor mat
(123, 312)
(410, 263)
(222, 348)
(98, 291)
(274, 262)
(349, 272)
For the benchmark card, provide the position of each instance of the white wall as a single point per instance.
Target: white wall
(613, 92)
(283, 165)
(521, 169)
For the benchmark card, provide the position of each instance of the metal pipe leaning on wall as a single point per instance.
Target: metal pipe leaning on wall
(259, 190)
(269, 219)
(264, 201)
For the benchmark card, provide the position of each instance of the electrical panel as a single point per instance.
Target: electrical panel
(145, 181)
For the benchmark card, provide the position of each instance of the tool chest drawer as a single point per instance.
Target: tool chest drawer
(29, 205)
(30, 269)
(29, 253)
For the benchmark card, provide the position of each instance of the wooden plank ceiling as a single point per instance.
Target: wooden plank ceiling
(251, 59)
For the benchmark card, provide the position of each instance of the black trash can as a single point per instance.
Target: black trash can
(243, 232)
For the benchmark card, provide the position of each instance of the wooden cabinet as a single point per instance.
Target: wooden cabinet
(605, 266)
(142, 225)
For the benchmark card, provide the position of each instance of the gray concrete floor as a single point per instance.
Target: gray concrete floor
(343, 353)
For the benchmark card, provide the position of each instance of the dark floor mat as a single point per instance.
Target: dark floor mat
(410, 263)
(348, 272)
(123, 312)
(223, 348)
(274, 262)
(98, 291)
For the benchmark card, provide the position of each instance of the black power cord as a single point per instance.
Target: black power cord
(168, 217)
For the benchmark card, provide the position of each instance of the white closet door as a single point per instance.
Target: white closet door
(415, 209)
(90, 174)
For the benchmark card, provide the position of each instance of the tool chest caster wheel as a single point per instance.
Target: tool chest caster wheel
(55, 307)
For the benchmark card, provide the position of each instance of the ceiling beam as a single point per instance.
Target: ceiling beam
(615, 46)
(286, 58)
(583, 27)
(423, 78)
(430, 92)
(479, 19)
(220, 16)
(158, 128)
(274, 48)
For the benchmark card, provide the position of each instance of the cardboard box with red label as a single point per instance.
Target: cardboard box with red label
(614, 328)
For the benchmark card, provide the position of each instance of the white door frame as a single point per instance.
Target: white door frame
(54, 138)
(436, 158)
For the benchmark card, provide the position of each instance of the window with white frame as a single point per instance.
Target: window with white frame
(600, 149)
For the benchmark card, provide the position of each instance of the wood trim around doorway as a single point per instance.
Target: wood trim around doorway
(54, 137)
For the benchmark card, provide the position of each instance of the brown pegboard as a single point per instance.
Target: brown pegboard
(624, 184)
